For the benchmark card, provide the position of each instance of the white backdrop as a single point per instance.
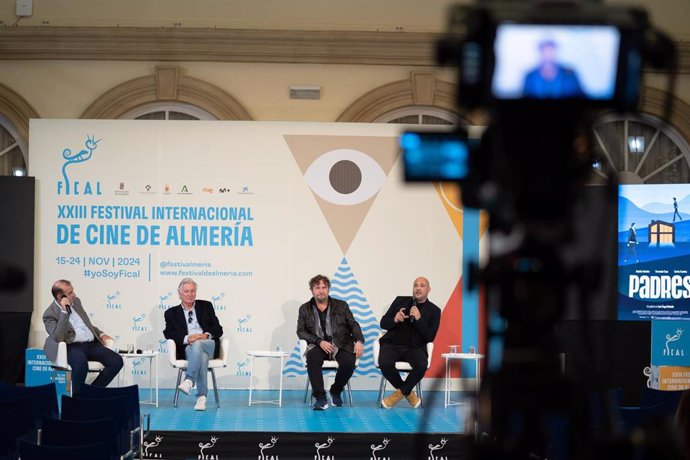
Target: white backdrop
(267, 219)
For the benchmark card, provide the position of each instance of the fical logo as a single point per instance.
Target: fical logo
(65, 187)
(151, 445)
(377, 447)
(110, 305)
(217, 304)
(207, 445)
(435, 447)
(161, 346)
(242, 326)
(137, 325)
(135, 367)
(245, 191)
(320, 447)
(268, 445)
(241, 368)
(162, 301)
(668, 351)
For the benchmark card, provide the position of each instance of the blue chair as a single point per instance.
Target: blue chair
(131, 395)
(55, 432)
(81, 409)
(667, 400)
(42, 399)
(31, 451)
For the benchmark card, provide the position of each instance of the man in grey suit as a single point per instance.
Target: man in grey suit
(66, 321)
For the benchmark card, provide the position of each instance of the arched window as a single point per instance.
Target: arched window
(421, 115)
(168, 111)
(12, 152)
(640, 149)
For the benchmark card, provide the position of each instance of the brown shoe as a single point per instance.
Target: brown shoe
(413, 399)
(393, 399)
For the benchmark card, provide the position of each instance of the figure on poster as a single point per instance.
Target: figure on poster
(411, 323)
(195, 328)
(632, 243)
(331, 332)
(675, 210)
(66, 321)
(550, 79)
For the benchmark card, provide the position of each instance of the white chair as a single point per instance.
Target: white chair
(61, 365)
(213, 364)
(400, 366)
(328, 366)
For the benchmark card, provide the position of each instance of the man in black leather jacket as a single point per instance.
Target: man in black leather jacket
(331, 332)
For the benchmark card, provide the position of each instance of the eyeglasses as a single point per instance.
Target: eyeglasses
(189, 320)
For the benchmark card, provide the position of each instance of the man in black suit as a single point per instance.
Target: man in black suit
(66, 321)
(194, 327)
(411, 323)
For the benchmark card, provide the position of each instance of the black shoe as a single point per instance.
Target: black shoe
(336, 399)
(320, 404)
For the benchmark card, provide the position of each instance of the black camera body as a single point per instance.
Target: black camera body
(496, 43)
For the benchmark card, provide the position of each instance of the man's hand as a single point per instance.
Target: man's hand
(400, 316)
(415, 312)
(326, 346)
(194, 337)
(64, 302)
(106, 337)
(359, 349)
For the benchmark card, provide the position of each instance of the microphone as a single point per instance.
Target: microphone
(414, 304)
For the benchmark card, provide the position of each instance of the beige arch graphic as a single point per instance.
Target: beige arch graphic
(166, 85)
(17, 111)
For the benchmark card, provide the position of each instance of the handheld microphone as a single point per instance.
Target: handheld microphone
(414, 304)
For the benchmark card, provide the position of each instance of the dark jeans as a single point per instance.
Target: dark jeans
(416, 357)
(346, 367)
(80, 353)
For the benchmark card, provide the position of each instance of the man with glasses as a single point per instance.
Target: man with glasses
(66, 321)
(194, 327)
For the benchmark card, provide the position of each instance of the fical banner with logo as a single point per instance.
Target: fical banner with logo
(250, 211)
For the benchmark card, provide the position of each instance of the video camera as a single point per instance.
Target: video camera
(543, 71)
(533, 66)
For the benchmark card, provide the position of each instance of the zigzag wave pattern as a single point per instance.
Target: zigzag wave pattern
(344, 286)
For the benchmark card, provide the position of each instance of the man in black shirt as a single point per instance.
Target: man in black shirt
(331, 332)
(411, 323)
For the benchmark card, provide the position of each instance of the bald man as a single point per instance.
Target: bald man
(410, 322)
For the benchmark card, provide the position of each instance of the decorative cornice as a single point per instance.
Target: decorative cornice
(219, 45)
(230, 45)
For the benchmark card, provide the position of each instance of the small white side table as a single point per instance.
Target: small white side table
(152, 357)
(459, 357)
(267, 354)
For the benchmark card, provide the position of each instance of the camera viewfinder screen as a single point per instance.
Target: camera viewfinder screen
(555, 61)
(434, 156)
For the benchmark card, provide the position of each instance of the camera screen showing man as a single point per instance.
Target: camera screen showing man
(555, 62)
(551, 79)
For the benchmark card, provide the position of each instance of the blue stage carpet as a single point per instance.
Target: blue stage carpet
(295, 416)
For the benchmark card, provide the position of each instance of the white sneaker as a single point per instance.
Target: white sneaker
(186, 386)
(200, 403)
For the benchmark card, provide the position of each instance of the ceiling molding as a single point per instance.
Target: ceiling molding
(219, 45)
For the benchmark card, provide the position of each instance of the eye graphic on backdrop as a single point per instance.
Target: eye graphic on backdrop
(345, 176)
